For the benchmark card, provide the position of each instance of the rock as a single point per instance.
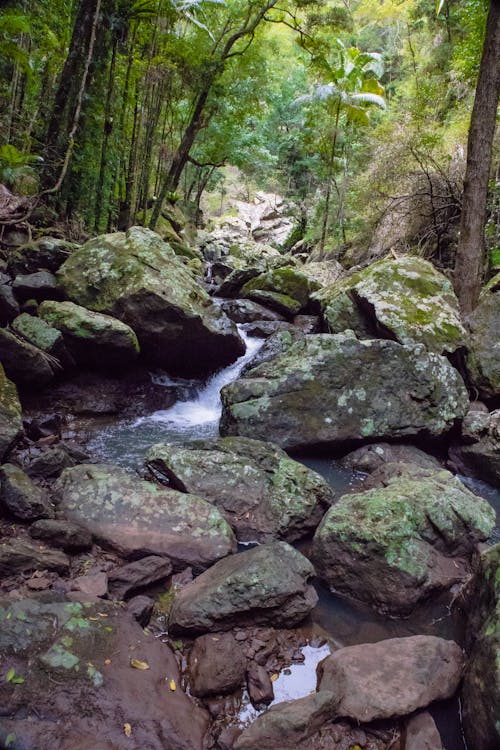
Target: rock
(307, 323)
(93, 585)
(40, 286)
(137, 575)
(288, 724)
(17, 556)
(73, 654)
(47, 425)
(328, 389)
(419, 528)
(30, 307)
(422, 733)
(484, 357)
(323, 272)
(234, 279)
(369, 458)
(216, 665)
(136, 277)
(246, 311)
(260, 686)
(266, 328)
(53, 461)
(264, 585)
(39, 333)
(9, 306)
(476, 422)
(480, 696)
(11, 426)
(20, 497)
(391, 678)
(404, 298)
(69, 536)
(282, 303)
(283, 281)
(94, 340)
(46, 254)
(262, 492)
(24, 363)
(482, 458)
(141, 609)
(138, 518)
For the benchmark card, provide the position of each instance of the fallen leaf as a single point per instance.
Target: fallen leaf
(274, 677)
(127, 729)
(10, 674)
(173, 686)
(136, 664)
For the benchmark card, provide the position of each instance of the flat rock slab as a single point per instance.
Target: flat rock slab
(261, 492)
(136, 517)
(267, 585)
(17, 556)
(330, 389)
(79, 688)
(393, 677)
(137, 575)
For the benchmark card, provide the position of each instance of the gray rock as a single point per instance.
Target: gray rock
(481, 459)
(53, 461)
(422, 733)
(11, 426)
(268, 585)
(24, 363)
(216, 665)
(39, 333)
(41, 285)
(278, 343)
(69, 536)
(46, 254)
(21, 497)
(484, 357)
(17, 556)
(369, 458)
(9, 306)
(137, 575)
(92, 585)
(141, 609)
(246, 311)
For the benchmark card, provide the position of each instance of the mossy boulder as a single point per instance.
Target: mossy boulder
(139, 518)
(395, 544)
(406, 299)
(322, 272)
(328, 389)
(11, 425)
(262, 492)
(281, 303)
(47, 253)
(42, 335)
(21, 497)
(137, 278)
(94, 339)
(484, 357)
(25, 364)
(284, 281)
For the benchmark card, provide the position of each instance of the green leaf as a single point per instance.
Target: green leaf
(10, 675)
(9, 740)
(17, 680)
(439, 6)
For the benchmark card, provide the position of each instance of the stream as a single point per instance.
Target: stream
(336, 621)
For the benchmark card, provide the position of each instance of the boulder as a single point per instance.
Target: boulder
(216, 665)
(138, 518)
(53, 461)
(9, 306)
(39, 286)
(18, 556)
(21, 497)
(481, 458)
(69, 536)
(282, 281)
(391, 678)
(480, 696)
(268, 584)
(46, 254)
(137, 575)
(484, 357)
(328, 389)
(94, 340)
(261, 492)
(277, 343)
(395, 544)
(136, 277)
(11, 426)
(322, 272)
(141, 609)
(369, 458)
(422, 733)
(43, 336)
(259, 685)
(25, 364)
(281, 303)
(246, 311)
(72, 654)
(406, 299)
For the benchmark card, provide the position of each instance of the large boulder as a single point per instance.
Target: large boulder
(43, 336)
(93, 339)
(136, 277)
(92, 678)
(395, 544)
(285, 281)
(11, 425)
(369, 458)
(21, 497)
(405, 299)
(484, 357)
(262, 492)
(480, 458)
(331, 389)
(322, 272)
(391, 678)
(39, 286)
(481, 688)
(137, 518)
(46, 254)
(25, 364)
(268, 585)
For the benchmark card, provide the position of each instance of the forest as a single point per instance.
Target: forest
(249, 374)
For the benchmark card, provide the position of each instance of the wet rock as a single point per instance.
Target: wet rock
(268, 584)
(10, 414)
(24, 363)
(246, 311)
(282, 303)
(53, 461)
(92, 585)
(39, 333)
(137, 278)
(277, 343)
(267, 328)
(94, 340)
(331, 389)
(391, 678)
(46, 254)
(137, 575)
(484, 357)
(216, 665)
(43, 426)
(481, 459)
(369, 458)
(406, 299)
(21, 497)
(262, 492)
(136, 518)
(68, 536)
(18, 556)
(73, 654)
(481, 688)
(141, 609)
(420, 528)
(9, 306)
(41, 285)
(259, 684)
(289, 282)
(422, 733)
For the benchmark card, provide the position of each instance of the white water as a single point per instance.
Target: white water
(196, 415)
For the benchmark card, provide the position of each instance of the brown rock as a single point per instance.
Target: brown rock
(260, 686)
(217, 665)
(94, 584)
(137, 575)
(422, 733)
(17, 556)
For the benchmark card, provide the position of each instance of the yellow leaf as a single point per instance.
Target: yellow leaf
(274, 677)
(173, 686)
(127, 729)
(136, 664)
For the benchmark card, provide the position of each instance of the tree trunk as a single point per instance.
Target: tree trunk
(470, 261)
